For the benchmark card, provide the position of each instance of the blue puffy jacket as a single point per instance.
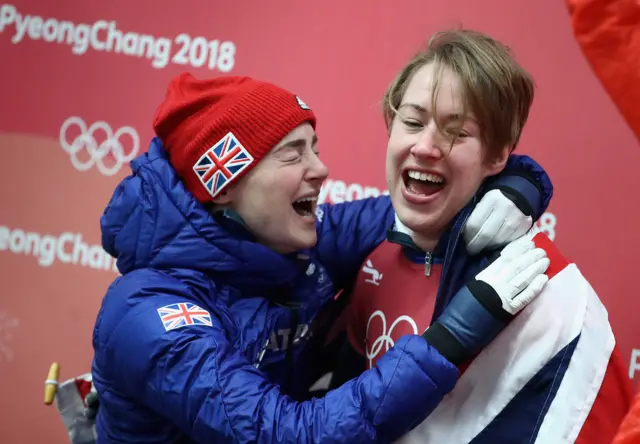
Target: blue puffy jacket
(239, 365)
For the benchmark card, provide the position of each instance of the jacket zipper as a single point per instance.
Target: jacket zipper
(258, 360)
(290, 364)
(428, 258)
(445, 266)
(260, 355)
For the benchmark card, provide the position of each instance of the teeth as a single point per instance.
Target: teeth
(417, 175)
(307, 199)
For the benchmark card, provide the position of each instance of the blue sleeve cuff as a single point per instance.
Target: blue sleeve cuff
(524, 193)
(523, 176)
(470, 322)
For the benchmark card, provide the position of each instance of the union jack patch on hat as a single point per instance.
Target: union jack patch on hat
(222, 163)
(183, 314)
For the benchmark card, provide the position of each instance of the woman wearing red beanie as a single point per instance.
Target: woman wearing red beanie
(214, 331)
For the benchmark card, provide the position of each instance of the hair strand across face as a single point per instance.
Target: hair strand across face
(498, 92)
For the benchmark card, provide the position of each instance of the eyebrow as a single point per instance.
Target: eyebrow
(297, 143)
(415, 106)
(446, 117)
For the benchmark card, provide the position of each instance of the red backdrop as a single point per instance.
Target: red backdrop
(72, 68)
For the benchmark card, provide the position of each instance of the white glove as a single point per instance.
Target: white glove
(495, 221)
(517, 276)
(71, 403)
(486, 305)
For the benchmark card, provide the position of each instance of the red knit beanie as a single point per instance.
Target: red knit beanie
(216, 130)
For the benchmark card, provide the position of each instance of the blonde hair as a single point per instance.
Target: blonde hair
(496, 89)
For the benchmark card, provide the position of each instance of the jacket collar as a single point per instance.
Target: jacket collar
(400, 234)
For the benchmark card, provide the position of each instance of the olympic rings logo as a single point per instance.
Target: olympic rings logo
(385, 338)
(96, 153)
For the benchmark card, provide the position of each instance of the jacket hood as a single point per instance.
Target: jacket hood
(153, 221)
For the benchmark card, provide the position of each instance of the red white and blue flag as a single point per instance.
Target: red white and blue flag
(221, 163)
(183, 314)
(560, 354)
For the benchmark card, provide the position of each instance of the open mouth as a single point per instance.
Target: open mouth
(422, 184)
(305, 207)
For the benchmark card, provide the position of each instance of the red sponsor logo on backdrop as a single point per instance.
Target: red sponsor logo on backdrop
(105, 36)
(634, 367)
(47, 249)
(8, 324)
(337, 191)
(98, 145)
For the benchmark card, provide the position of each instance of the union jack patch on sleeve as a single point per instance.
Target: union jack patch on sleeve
(221, 163)
(183, 314)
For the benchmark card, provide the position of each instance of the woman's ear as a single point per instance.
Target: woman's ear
(229, 194)
(223, 198)
(497, 163)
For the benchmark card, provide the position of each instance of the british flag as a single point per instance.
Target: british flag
(221, 163)
(182, 314)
